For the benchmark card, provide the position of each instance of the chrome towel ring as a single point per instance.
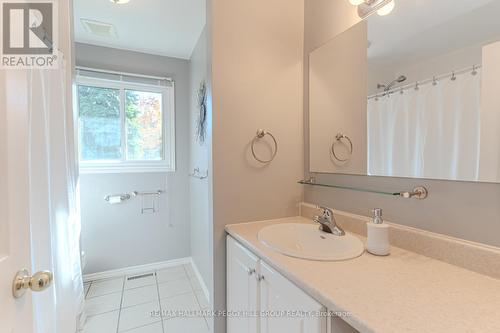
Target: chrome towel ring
(261, 134)
(338, 138)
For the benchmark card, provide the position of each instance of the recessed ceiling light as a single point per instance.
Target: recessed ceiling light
(120, 2)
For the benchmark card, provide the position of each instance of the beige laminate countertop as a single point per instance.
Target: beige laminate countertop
(403, 292)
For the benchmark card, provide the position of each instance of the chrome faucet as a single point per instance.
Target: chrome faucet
(327, 222)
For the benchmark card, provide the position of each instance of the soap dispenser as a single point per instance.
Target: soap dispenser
(377, 235)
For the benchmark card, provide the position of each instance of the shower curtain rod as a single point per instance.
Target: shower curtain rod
(104, 71)
(435, 78)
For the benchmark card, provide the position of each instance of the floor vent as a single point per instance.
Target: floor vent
(129, 278)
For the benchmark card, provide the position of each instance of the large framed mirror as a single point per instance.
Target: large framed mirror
(413, 94)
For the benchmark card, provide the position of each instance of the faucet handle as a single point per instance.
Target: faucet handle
(326, 210)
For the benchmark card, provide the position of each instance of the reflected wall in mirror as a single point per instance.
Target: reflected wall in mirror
(415, 92)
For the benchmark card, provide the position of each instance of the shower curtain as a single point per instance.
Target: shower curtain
(432, 131)
(54, 213)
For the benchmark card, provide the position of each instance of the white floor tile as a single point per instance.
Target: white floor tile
(173, 288)
(100, 304)
(202, 299)
(185, 325)
(140, 295)
(171, 306)
(103, 323)
(155, 328)
(171, 274)
(104, 287)
(140, 315)
(140, 282)
(196, 283)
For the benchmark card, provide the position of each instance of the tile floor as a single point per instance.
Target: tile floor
(148, 304)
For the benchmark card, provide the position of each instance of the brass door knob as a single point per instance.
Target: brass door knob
(36, 282)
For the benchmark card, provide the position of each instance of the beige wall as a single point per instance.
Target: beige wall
(466, 210)
(257, 50)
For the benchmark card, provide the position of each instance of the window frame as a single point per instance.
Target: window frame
(167, 163)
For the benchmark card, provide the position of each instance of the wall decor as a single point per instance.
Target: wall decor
(201, 125)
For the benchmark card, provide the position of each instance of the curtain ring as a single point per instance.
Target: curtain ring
(261, 134)
(474, 71)
(338, 138)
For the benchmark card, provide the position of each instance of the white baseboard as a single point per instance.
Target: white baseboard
(140, 269)
(201, 280)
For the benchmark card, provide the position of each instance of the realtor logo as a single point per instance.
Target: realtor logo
(28, 34)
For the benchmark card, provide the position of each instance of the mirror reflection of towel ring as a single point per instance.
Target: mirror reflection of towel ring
(338, 138)
(260, 134)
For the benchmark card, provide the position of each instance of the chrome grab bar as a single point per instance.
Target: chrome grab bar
(137, 193)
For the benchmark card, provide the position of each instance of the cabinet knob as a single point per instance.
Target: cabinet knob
(260, 277)
(251, 271)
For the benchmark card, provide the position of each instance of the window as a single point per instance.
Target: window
(125, 126)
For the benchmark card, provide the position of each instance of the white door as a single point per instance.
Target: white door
(38, 217)
(280, 301)
(15, 250)
(39, 225)
(242, 289)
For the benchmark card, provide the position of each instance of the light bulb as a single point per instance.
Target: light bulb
(387, 9)
(356, 2)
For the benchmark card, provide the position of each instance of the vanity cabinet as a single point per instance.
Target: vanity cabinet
(253, 288)
(242, 288)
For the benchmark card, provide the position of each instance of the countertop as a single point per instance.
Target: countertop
(402, 292)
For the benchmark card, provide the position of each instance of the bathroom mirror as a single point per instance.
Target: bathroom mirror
(412, 94)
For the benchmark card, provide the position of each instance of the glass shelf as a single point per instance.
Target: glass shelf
(309, 182)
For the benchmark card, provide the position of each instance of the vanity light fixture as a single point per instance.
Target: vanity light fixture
(387, 9)
(120, 2)
(368, 7)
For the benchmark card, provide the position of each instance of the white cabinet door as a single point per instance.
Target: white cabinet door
(279, 296)
(242, 288)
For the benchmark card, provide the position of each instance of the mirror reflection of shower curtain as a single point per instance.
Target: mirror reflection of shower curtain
(432, 132)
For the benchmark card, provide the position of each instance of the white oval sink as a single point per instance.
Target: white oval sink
(306, 241)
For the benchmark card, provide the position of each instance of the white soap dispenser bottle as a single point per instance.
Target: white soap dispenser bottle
(377, 233)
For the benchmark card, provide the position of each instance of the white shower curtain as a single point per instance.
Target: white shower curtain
(54, 202)
(429, 132)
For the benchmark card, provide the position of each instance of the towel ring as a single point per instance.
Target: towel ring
(338, 138)
(260, 134)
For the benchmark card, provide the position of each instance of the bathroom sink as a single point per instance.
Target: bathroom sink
(306, 241)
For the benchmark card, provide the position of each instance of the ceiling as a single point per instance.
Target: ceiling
(163, 27)
(421, 29)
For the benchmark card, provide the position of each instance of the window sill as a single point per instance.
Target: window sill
(99, 169)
